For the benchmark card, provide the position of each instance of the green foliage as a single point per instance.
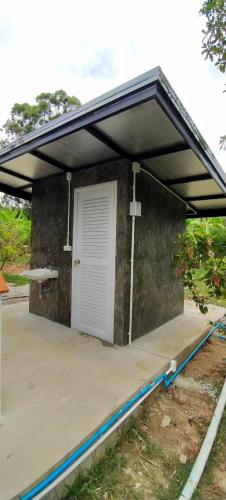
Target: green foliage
(15, 235)
(205, 232)
(12, 202)
(16, 279)
(214, 40)
(180, 477)
(217, 453)
(27, 117)
(214, 275)
(203, 247)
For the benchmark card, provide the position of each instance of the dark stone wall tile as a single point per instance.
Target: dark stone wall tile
(158, 293)
(49, 231)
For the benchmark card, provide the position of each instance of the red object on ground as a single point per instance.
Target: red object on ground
(3, 285)
(216, 280)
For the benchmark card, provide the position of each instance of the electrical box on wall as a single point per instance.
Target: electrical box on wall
(135, 208)
(67, 248)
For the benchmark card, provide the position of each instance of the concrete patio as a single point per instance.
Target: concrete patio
(59, 385)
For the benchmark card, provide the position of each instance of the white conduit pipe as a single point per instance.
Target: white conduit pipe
(74, 466)
(167, 188)
(69, 206)
(67, 247)
(137, 168)
(132, 258)
(203, 455)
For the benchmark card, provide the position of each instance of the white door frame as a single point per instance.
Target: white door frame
(74, 324)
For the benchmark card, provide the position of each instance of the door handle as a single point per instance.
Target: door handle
(76, 262)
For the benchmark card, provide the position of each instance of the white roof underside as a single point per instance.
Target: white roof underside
(142, 120)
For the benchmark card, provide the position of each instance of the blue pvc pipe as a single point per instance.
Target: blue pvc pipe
(186, 361)
(221, 337)
(105, 427)
(82, 449)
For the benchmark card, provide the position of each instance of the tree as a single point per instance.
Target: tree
(202, 248)
(26, 117)
(12, 202)
(214, 40)
(15, 235)
(15, 214)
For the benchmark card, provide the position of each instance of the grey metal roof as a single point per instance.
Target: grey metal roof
(142, 120)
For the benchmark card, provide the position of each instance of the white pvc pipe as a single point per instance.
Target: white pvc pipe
(133, 236)
(132, 263)
(167, 188)
(203, 455)
(74, 466)
(69, 206)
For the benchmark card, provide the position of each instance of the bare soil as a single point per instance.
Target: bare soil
(149, 460)
(190, 403)
(16, 268)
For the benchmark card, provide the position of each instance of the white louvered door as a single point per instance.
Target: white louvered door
(93, 266)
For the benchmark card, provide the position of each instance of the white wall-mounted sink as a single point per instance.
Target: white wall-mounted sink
(40, 275)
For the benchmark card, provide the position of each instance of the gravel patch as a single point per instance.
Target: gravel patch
(193, 385)
(16, 294)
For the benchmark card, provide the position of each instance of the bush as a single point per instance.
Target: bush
(203, 247)
(15, 235)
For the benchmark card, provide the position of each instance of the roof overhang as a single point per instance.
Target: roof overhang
(142, 120)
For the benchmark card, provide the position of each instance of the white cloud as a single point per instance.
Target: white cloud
(88, 47)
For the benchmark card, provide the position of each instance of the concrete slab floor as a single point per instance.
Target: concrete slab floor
(59, 385)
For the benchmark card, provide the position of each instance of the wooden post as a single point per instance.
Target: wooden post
(3, 289)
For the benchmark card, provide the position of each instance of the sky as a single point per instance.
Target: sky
(88, 47)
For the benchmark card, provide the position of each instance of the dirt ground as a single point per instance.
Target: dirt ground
(189, 404)
(16, 268)
(155, 454)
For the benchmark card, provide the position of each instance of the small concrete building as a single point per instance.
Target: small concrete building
(111, 186)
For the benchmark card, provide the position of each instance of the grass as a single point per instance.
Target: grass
(178, 481)
(127, 464)
(106, 475)
(203, 290)
(101, 477)
(21, 260)
(150, 448)
(16, 279)
(108, 479)
(215, 459)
